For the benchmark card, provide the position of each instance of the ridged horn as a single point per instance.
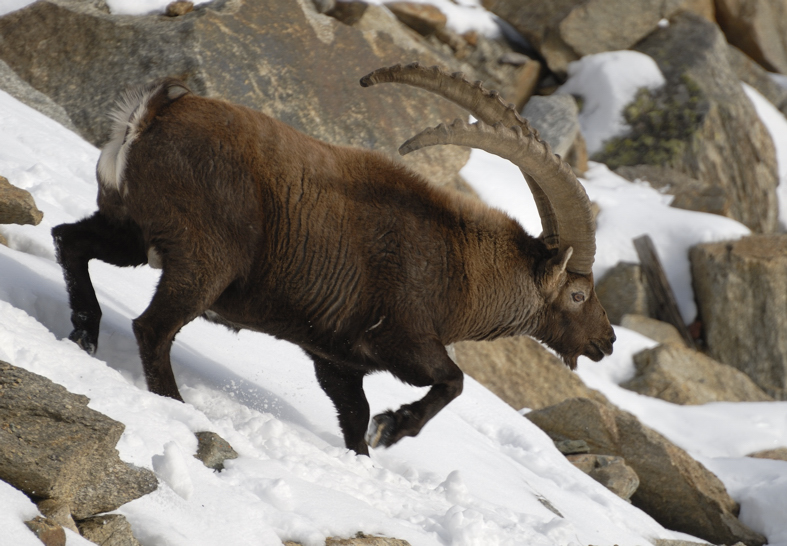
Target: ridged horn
(566, 217)
(484, 105)
(535, 157)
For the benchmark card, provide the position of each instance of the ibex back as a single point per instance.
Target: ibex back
(341, 251)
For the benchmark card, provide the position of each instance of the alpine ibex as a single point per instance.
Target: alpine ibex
(339, 250)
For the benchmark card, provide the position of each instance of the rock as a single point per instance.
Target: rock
(521, 372)
(51, 534)
(741, 293)
(778, 454)
(663, 332)
(623, 291)
(365, 540)
(65, 453)
(108, 530)
(348, 13)
(176, 9)
(24, 93)
(611, 472)
(17, 205)
(694, 123)
(566, 30)
(758, 28)
(318, 94)
(213, 450)
(683, 376)
(755, 75)
(572, 447)
(58, 512)
(674, 489)
(556, 118)
(690, 193)
(422, 18)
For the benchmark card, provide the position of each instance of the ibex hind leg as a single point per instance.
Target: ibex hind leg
(344, 386)
(95, 237)
(184, 292)
(425, 364)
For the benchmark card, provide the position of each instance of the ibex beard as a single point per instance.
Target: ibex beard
(341, 251)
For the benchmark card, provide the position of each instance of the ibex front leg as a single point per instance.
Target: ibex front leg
(117, 243)
(420, 364)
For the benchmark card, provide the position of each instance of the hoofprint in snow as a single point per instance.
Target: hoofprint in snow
(478, 474)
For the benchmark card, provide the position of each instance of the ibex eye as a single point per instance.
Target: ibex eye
(578, 297)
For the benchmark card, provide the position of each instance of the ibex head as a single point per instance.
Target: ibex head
(572, 320)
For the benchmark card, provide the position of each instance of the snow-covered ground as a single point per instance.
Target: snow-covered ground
(479, 473)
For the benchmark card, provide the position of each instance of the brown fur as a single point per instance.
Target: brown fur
(338, 250)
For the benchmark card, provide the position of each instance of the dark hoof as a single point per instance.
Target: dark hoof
(381, 430)
(82, 338)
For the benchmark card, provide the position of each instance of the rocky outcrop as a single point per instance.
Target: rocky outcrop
(563, 31)
(694, 123)
(52, 446)
(521, 372)
(741, 293)
(674, 489)
(623, 290)
(683, 376)
(758, 28)
(318, 94)
(17, 205)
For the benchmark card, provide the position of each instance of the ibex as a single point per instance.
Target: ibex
(341, 251)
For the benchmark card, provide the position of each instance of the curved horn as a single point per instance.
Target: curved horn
(534, 157)
(487, 106)
(566, 217)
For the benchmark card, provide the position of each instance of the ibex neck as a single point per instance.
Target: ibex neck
(501, 298)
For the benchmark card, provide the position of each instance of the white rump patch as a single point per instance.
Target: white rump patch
(129, 109)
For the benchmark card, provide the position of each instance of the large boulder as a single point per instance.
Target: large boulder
(566, 30)
(701, 123)
(741, 292)
(52, 446)
(758, 28)
(683, 376)
(249, 52)
(22, 91)
(556, 118)
(521, 372)
(674, 489)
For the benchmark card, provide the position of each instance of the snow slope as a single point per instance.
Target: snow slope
(478, 474)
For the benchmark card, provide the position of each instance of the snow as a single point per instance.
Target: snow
(478, 473)
(605, 81)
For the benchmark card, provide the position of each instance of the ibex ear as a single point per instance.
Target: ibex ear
(555, 270)
(175, 90)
